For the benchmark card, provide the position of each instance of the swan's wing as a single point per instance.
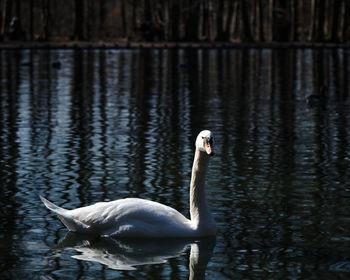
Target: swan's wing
(63, 214)
(131, 217)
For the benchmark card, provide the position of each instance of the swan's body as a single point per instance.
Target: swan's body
(134, 217)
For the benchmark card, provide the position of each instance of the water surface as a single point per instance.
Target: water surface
(109, 124)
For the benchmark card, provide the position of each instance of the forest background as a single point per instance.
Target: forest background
(175, 20)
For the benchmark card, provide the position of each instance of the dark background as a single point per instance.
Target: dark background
(176, 20)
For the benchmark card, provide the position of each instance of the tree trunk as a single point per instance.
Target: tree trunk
(271, 20)
(337, 7)
(212, 16)
(312, 18)
(193, 20)
(147, 11)
(31, 19)
(221, 18)
(247, 35)
(175, 22)
(79, 20)
(344, 21)
(3, 17)
(90, 18)
(320, 21)
(166, 21)
(46, 13)
(18, 11)
(259, 21)
(123, 16)
(228, 22)
(235, 20)
(293, 9)
(203, 21)
(133, 16)
(102, 16)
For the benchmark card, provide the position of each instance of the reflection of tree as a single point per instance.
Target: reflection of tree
(9, 154)
(81, 115)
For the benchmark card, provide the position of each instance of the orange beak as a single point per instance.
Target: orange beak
(208, 148)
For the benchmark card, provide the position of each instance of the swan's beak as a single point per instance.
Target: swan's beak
(208, 148)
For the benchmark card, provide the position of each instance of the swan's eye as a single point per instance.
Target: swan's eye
(207, 141)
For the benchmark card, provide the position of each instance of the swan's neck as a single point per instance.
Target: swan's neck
(198, 203)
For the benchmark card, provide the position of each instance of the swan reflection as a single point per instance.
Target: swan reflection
(126, 254)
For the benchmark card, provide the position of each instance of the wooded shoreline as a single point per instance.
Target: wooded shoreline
(153, 21)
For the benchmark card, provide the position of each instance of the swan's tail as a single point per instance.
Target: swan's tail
(63, 214)
(51, 206)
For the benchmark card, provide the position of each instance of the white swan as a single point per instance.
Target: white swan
(134, 217)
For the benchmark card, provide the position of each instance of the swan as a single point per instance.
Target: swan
(135, 217)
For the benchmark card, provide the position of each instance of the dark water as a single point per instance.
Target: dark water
(105, 125)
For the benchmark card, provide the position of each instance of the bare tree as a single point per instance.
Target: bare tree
(175, 20)
(31, 19)
(247, 35)
(271, 20)
(123, 16)
(6, 8)
(293, 10)
(192, 20)
(259, 31)
(102, 16)
(336, 20)
(89, 18)
(320, 20)
(79, 13)
(46, 19)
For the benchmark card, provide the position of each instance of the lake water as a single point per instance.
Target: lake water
(82, 126)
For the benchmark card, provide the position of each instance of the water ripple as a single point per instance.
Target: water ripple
(113, 124)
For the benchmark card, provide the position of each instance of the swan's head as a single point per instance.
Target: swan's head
(205, 142)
